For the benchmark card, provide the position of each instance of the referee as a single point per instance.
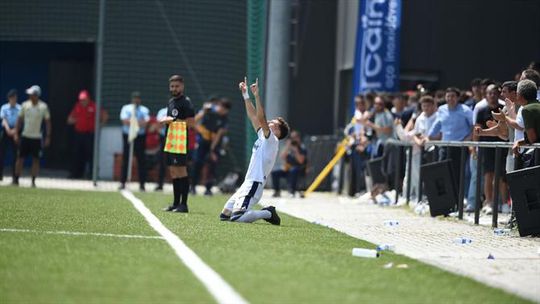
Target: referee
(180, 117)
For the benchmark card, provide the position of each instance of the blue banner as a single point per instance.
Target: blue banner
(376, 66)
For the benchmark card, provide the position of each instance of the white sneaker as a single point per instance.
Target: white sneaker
(487, 210)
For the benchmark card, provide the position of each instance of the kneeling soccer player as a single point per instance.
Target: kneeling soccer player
(263, 156)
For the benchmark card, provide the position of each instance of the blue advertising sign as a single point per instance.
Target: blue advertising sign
(376, 66)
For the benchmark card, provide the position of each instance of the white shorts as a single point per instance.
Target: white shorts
(246, 196)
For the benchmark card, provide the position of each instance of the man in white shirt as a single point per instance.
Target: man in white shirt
(263, 156)
(418, 135)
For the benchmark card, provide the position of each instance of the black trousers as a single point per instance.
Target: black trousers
(7, 144)
(202, 157)
(83, 153)
(138, 151)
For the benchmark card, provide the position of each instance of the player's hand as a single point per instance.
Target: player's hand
(515, 149)
(16, 138)
(498, 116)
(478, 130)
(509, 103)
(166, 120)
(491, 123)
(255, 87)
(243, 86)
(47, 141)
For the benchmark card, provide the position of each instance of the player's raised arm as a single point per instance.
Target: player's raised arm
(261, 117)
(250, 109)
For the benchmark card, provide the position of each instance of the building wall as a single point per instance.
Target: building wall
(464, 39)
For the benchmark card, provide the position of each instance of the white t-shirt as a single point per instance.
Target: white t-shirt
(263, 157)
(33, 116)
(423, 123)
(519, 135)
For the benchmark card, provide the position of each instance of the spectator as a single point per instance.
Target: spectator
(294, 157)
(453, 123)
(33, 113)
(211, 127)
(509, 94)
(399, 109)
(418, 135)
(477, 95)
(531, 116)
(486, 129)
(8, 118)
(534, 76)
(359, 149)
(473, 170)
(142, 115)
(382, 125)
(83, 118)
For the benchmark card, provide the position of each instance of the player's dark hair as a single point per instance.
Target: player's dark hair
(284, 128)
(227, 104)
(176, 78)
(485, 82)
(532, 75)
(427, 99)
(510, 85)
(476, 82)
(453, 90)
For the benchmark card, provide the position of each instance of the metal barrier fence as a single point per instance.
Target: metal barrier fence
(463, 145)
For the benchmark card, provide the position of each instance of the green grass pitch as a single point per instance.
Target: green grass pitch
(297, 262)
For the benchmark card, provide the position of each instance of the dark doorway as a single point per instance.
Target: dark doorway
(61, 70)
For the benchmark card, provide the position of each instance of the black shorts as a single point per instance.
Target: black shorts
(177, 160)
(30, 147)
(488, 161)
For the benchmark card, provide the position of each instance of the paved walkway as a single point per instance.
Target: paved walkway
(516, 267)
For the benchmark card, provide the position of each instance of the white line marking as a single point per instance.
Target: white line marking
(129, 236)
(214, 283)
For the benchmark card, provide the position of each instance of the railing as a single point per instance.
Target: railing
(463, 145)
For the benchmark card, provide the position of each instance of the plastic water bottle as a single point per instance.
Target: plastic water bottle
(365, 253)
(391, 223)
(501, 231)
(462, 240)
(386, 247)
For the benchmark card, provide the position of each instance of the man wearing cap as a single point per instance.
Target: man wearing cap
(8, 118)
(142, 116)
(82, 117)
(33, 112)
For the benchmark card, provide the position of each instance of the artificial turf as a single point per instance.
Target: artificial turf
(297, 262)
(48, 268)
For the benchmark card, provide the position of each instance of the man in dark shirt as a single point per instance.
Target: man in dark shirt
(211, 127)
(485, 120)
(180, 117)
(294, 164)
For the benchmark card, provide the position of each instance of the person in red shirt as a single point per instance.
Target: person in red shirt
(82, 118)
